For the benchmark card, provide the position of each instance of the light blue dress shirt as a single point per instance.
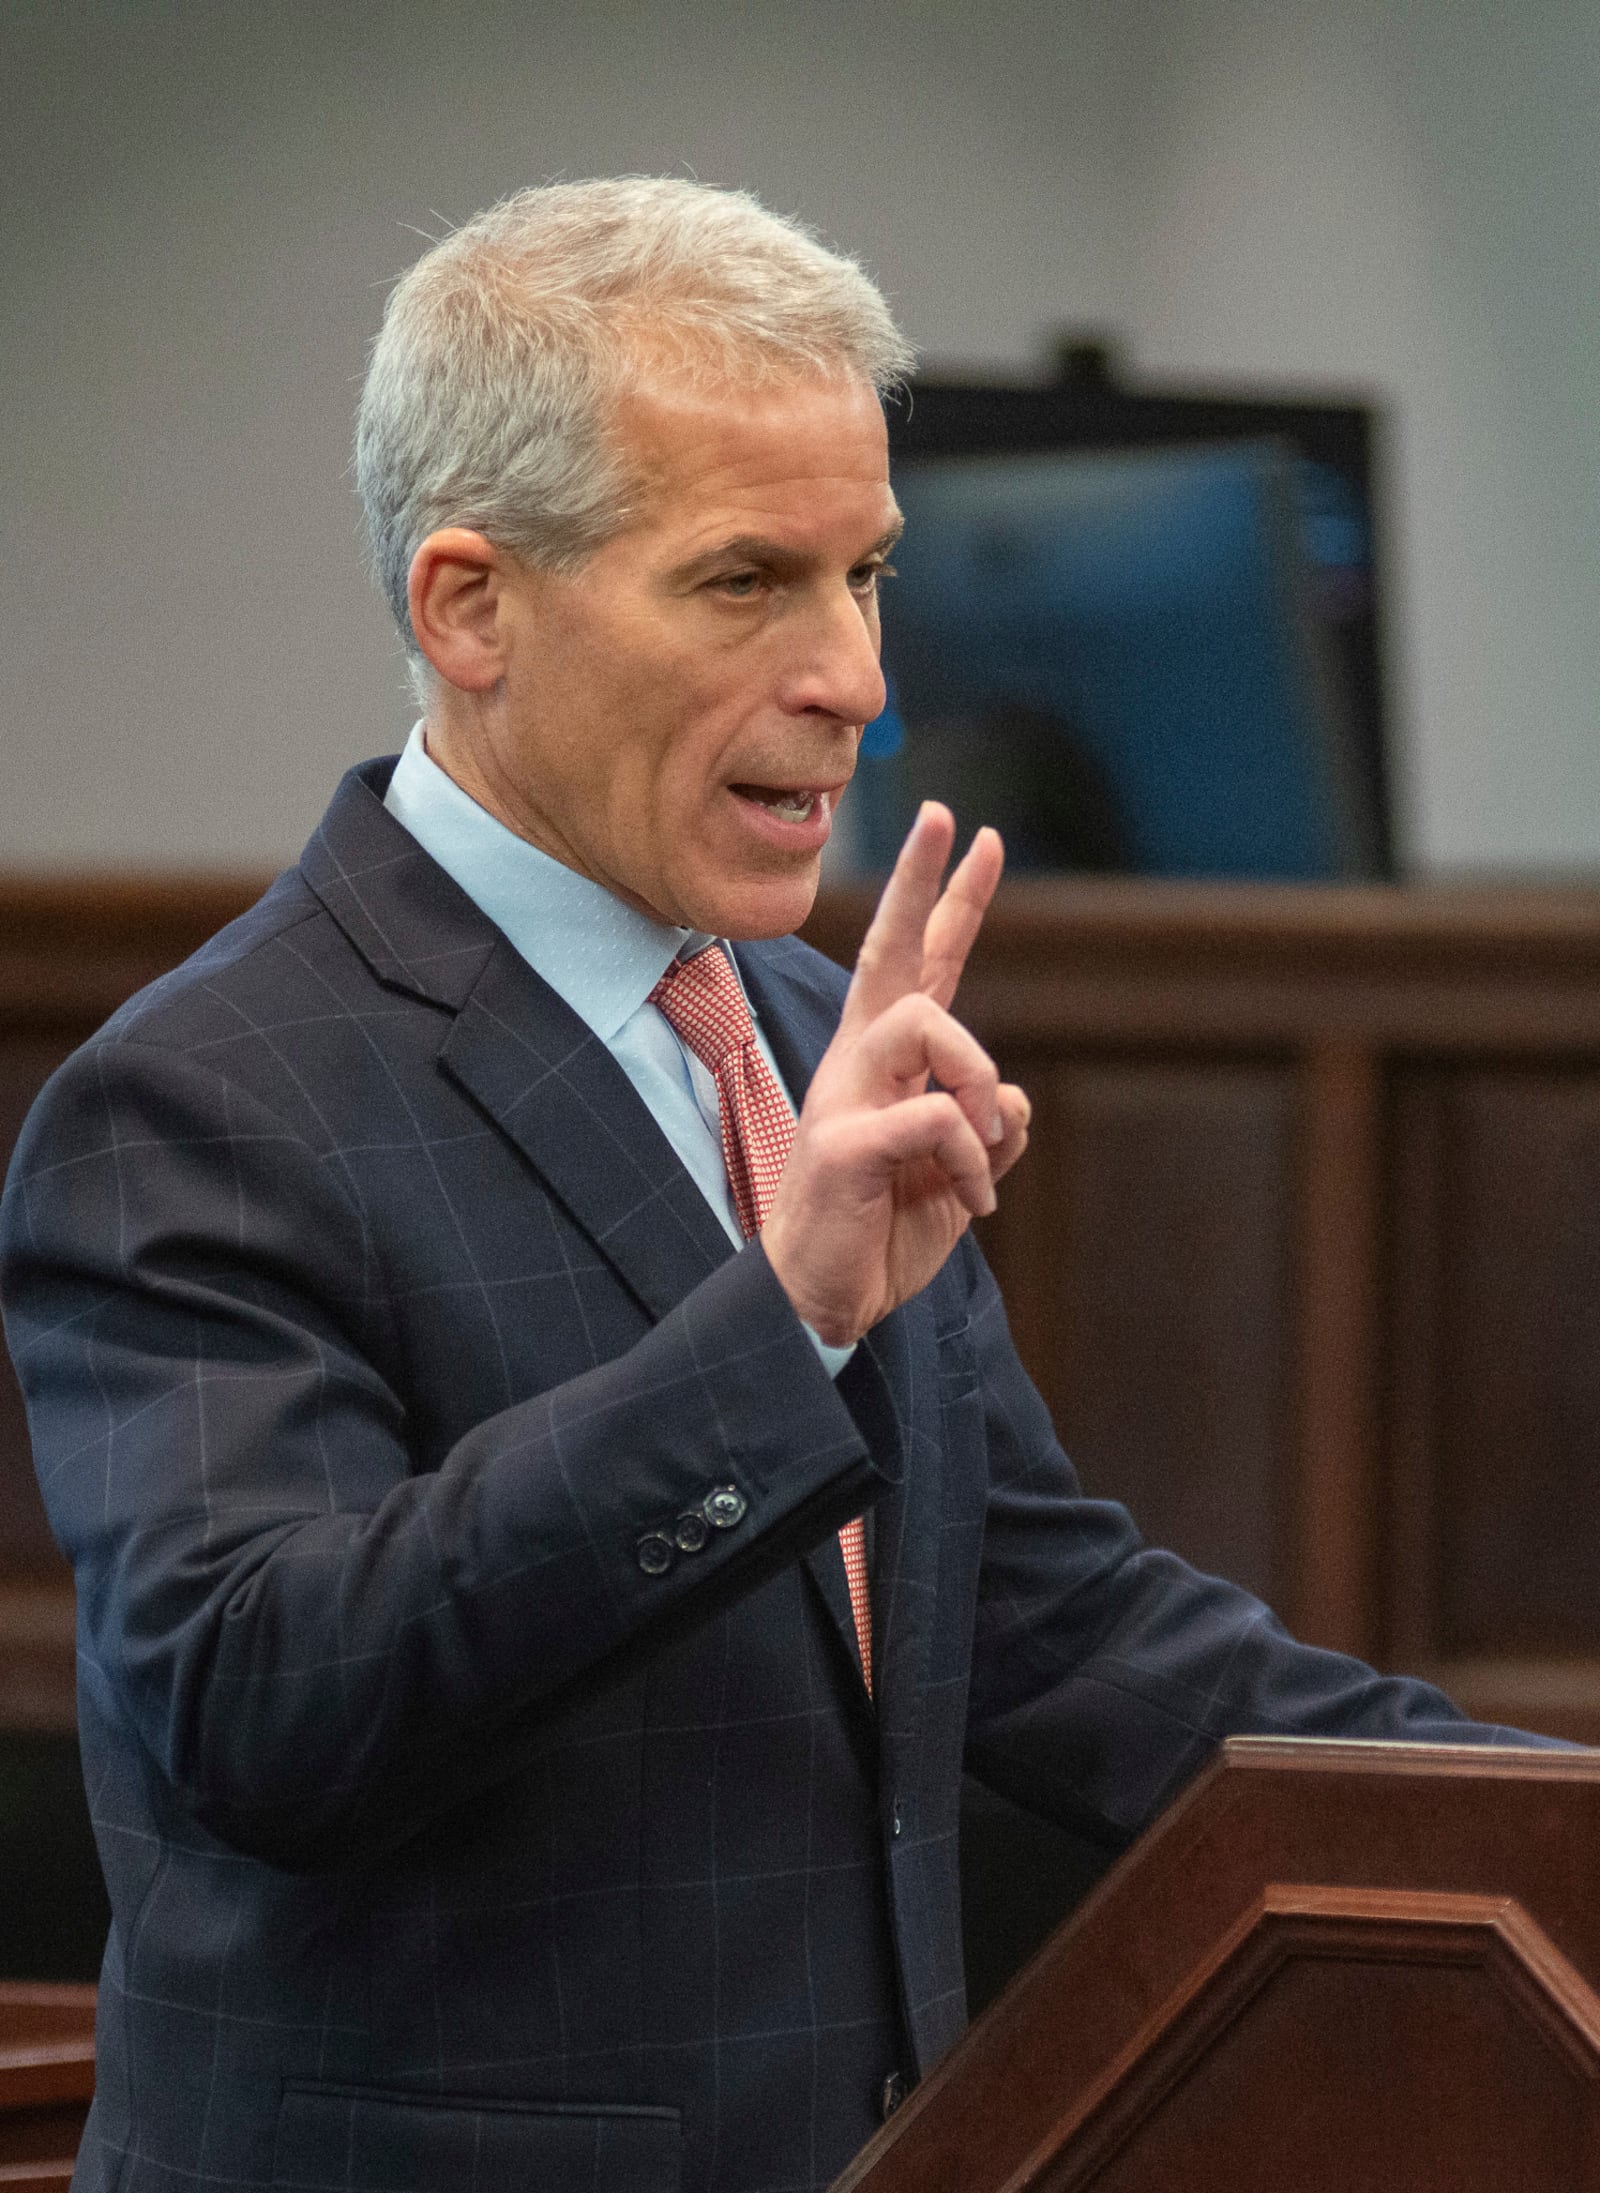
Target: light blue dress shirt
(602, 957)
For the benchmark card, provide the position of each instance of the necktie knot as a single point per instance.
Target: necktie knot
(702, 999)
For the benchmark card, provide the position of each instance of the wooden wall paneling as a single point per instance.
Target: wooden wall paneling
(1214, 1182)
(1378, 993)
(72, 948)
(1519, 1412)
(1022, 1240)
(38, 1653)
(1166, 1197)
(1407, 1629)
(1143, 1245)
(1339, 1184)
(1495, 1465)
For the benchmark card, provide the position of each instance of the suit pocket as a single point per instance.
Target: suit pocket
(958, 1363)
(345, 2139)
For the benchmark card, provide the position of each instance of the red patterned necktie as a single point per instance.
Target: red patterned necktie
(702, 999)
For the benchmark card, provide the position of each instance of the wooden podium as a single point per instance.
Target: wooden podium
(1331, 1967)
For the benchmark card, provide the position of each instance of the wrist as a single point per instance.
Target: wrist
(823, 1319)
(833, 1360)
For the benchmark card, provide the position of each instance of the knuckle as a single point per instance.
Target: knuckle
(951, 1116)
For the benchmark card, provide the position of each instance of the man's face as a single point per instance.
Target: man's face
(678, 719)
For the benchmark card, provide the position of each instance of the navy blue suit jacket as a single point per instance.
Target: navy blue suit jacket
(367, 1324)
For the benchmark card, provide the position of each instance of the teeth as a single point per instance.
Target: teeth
(791, 806)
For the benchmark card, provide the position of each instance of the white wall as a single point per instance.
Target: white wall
(1407, 198)
(199, 207)
(202, 206)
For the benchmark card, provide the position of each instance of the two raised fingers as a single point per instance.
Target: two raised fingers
(899, 1033)
(889, 963)
(920, 936)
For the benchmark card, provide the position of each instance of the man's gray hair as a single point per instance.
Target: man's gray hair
(487, 401)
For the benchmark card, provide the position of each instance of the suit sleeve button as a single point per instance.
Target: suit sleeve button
(656, 1553)
(724, 1506)
(691, 1531)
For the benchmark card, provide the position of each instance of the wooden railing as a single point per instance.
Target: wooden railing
(1305, 1255)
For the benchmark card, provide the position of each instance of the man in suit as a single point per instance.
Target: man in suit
(551, 1529)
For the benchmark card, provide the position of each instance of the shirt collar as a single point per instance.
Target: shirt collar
(603, 957)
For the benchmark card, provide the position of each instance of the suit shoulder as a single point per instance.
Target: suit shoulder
(792, 961)
(277, 1007)
(258, 964)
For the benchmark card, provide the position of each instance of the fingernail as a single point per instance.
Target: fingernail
(997, 1129)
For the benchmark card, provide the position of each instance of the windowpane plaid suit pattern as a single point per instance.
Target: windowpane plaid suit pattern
(702, 999)
(367, 1323)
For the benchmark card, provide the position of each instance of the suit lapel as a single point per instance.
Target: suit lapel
(551, 1085)
(517, 1048)
(796, 1004)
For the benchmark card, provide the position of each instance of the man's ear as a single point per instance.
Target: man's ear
(453, 593)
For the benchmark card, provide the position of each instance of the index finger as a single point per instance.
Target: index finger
(889, 964)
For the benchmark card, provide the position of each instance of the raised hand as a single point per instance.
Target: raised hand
(886, 1174)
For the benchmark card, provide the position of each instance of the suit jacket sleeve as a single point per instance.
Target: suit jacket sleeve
(1105, 1671)
(320, 1645)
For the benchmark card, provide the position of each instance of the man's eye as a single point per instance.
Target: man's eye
(866, 576)
(742, 585)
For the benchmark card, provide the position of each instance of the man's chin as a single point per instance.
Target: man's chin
(760, 907)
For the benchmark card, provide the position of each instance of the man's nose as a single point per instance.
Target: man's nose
(837, 672)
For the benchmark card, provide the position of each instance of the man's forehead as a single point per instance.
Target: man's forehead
(793, 440)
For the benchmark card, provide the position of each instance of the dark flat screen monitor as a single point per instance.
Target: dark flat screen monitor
(1139, 633)
(1112, 656)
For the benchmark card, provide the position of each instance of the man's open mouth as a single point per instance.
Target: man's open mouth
(789, 803)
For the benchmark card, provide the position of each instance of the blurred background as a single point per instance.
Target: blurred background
(1308, 1275)
(202, 206)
